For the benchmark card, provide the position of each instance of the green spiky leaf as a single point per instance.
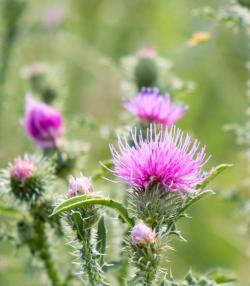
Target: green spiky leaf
(214, 173)
(101, 239)
(82, 200)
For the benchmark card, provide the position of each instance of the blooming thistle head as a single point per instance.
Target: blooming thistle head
(27, 177)
(141, 234)
(164, 158)
(42, 123)
(22, 169)
(149, 105)
(79, 185)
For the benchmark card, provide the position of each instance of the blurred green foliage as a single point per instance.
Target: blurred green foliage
(85, 49)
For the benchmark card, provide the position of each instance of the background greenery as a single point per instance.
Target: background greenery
(99, 31)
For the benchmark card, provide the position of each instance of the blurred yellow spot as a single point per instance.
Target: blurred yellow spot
(199, 37)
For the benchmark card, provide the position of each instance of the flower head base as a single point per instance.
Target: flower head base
(164, 158)
(22, 169)
(42, 123)
(80, 185)
(150, 105)
(141, 234)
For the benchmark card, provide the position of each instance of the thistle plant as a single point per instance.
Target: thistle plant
(164, 174)
(82, 221)
(27, 179)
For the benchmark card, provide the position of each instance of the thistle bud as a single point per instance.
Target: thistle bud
(39, 76)
(145, 72)
(80, 185)
(88, 214)
(141, 234)
(27, 177)
(22, 169)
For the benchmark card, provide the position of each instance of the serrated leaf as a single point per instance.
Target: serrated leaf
(190, 201)
(101, 239)
(214, 173)
(82, 200)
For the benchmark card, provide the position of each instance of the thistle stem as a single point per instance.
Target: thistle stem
(43, 250)
(90, 264)
(146, 260)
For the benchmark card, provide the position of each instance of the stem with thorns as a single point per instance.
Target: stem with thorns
(89, 256)
(42, 247)
(146, 259)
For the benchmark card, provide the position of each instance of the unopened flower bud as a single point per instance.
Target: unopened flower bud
(80, 185)
(141, 234)
(146, 73)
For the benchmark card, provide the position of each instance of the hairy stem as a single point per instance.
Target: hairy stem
(43, 250)
(90, 264)
(146, 259)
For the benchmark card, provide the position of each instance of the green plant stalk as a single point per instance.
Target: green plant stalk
(89, 265)
(43, 250)
(12, 12)
(146, 259)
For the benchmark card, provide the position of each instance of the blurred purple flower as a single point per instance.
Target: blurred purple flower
(42, 123)
(150, 105)
(147, 52)
(53, 16)
(165, 158)
(142, 234)
(81, 185)
(22, 169)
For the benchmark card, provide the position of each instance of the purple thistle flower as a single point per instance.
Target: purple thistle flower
(42, 123)
(81, 185)
(53, 16)
(22, 169)
(150, 105)
(165, 157)
(142, 234)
